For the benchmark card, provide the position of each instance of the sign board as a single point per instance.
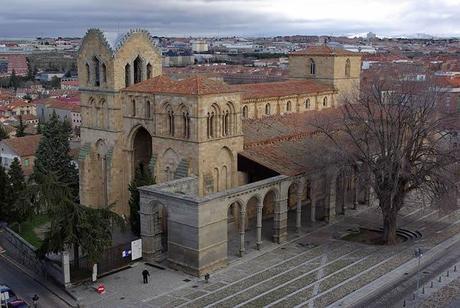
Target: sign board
(136, 249)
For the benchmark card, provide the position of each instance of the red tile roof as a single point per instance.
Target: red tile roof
(24, 146)
(324, 51)
(282, 88)
(191, 86)
(288, 144)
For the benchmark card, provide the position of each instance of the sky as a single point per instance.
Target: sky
(31, 18)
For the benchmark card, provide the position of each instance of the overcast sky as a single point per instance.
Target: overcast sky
(30, 18)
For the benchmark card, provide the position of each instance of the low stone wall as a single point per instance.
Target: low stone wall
(24, 253)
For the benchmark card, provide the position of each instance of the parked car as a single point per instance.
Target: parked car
(19, 303)
(6, 295)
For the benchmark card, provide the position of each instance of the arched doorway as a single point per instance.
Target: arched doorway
(142, 148)
(233, 230)
(268, 212)
(292, 208)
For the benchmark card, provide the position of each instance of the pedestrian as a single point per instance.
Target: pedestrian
(35, 300)
(145, 275)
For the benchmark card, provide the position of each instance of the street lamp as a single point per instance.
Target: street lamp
(418, 254)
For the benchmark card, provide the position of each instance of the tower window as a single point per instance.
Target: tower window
(312, 67)
(186, 124)
(245, 112)
(149, 71)
(97, 73)
(325, 102)
(88, 74)
(133, 108)
(104, 73)
(347, 68)
(137, 70)
(267, 109)
(147, 109)
(171, 122)
(307, 103)
(288, 106)
(127, 75)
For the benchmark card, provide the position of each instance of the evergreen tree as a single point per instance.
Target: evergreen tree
(55, 83)
(53, 156)
(14, 81)
(74, 225)
(5, 196)
(3, 133)
(20, 130)
(21, 206)
(142, 177)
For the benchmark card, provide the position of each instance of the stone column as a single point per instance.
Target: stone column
(150, 230)
(66, 268)
(298, 224)
(259, 226)
(280, 221)
(242, 223)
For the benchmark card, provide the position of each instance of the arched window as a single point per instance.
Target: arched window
(347, 68)
(307, 103)
(149, 71)
(137, 70)
(226, 123)
(210, 124)
(133, 107)
(312, 67)
(171, 122)
(127, 75)
(97, 73)
(245, 112)
(186, 124)
(147, 109)
(267, 109)
(104, 73)
(288, 106)
(325, 101)
(88, 74)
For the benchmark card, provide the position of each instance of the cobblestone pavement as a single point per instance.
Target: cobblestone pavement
(315, 269)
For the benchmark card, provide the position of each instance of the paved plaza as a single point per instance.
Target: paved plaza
(313, 269)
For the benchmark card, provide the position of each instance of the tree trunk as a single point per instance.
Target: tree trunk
(389, 228)
(76, 256)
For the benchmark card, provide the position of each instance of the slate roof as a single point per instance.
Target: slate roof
(191, 86)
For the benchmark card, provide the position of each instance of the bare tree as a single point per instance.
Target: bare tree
(395, 131)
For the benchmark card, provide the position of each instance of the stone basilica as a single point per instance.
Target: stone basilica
(231, 162)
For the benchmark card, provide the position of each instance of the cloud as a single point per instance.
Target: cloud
(230, 17)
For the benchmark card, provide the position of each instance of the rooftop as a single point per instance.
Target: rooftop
(323, 51)
(191, 86)
(24, 146)
(282, 88)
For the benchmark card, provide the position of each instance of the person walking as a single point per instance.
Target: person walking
(35, 300)
(145, 275)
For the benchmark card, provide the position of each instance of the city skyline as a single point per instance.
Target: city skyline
(26, 18)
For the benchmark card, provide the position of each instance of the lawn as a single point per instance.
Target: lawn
(28, 231)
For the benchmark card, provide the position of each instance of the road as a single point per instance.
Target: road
(393, 297)
(25, 287)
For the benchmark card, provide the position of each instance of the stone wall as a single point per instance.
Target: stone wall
(24, 253)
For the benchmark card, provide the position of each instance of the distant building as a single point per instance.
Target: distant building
(69, 83)
(371, 36)
(22, 148)
(20, 107)
(199, 46)
(48, 76)
(13, 62)
(65, 108)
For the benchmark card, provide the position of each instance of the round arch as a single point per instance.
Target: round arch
(141, 145)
